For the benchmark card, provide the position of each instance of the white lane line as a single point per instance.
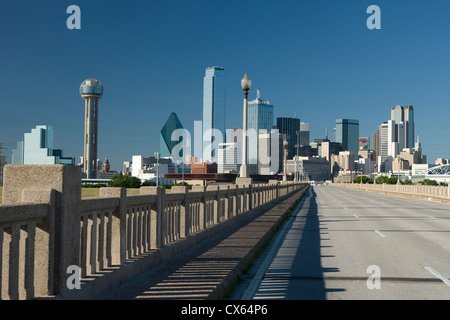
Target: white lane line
(437, 275)
(356, 216)
(382, 235)
(430, 217)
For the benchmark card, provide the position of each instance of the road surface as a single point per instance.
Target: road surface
(350, 244)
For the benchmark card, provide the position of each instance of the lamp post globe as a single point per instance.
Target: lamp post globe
(246, 83)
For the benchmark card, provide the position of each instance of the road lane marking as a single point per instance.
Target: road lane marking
(437, 275)
(356, 216)
(382, 235)
(430, 217)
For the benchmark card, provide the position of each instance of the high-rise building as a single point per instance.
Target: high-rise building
(91, 91)
(213, 108)
(228, 158)
(288, 128)
(259, 121)
(347, 133)
(304, 134)
(166, 144)
(37, 148)
(388, 145)
(405, 115)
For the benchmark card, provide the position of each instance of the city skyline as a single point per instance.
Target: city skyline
(326, 67)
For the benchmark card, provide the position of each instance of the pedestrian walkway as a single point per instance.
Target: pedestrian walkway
(209, 269)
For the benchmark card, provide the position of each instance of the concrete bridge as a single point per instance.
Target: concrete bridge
(329, 242)
(55, 245)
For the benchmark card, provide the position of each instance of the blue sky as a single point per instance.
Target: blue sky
(312, 58)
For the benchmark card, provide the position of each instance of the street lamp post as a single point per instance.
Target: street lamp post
(285, 143)
(246, 83)
(157, 154)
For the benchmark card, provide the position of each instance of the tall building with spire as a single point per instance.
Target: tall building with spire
(213, 109)
(259, 127)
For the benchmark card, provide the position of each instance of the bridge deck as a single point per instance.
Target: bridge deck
(208, 269)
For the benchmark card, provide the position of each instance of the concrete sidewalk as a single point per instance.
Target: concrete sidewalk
(209, 270)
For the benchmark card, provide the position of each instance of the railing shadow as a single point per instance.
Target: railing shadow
(297, 272)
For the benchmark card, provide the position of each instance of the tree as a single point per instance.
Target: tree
(148, 183)
(407, 182)
(428, 182)
(382, 179)
(364, 180)
(125, 181)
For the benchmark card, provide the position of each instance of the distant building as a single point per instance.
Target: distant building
(166, 145)
(405, 115)
(152, 169)
(202, 167)
(213, 107)
(364, 143)
(228, 158)
(289, 127)
(310, 169)
(304, 134)
(37, 148)
(106, 166)
(441, 161)
(347, 134)
(345, 160)
(259, 121)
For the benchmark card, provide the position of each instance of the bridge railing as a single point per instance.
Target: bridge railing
(46, 228)
(437, 192)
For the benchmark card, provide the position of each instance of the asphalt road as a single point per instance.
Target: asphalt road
(355, 245)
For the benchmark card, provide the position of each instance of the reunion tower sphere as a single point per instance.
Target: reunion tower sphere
(91, 88)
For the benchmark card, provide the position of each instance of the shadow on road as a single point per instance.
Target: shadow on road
(297, 273)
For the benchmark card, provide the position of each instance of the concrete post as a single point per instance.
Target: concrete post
(156, 216)
(202, 215)
(184, 210)
(216, 205)
(66, 183)
(119, 225)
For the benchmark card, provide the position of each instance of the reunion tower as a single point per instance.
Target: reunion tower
(91, 91)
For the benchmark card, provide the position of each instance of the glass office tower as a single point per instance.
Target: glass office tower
(213, 108)
(166, 144)
(36, 148)
(347, 133)
(289, 127)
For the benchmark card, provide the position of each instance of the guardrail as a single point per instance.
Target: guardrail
(46, 228)
(437, 193)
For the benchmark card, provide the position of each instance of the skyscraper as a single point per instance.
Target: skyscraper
(347, 133)
(406, 116)
(259, 121)
(213, 108)
(166, 144)
(289, 127)
(304, 134)
(91, 91)
(37, 148)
